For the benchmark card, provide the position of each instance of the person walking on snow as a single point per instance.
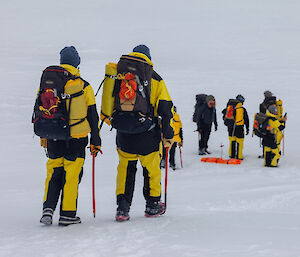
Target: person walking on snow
(66, 157)
(178, 139)
(235, 117)
(143, 146)
(206, 115)
(272, 140)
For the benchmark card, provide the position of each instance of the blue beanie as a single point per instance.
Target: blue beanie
(69, 55)
(143, 50)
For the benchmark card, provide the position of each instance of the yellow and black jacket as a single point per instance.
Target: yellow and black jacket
(161, 102)
(275, 128)
(241, 119)
(178, 135)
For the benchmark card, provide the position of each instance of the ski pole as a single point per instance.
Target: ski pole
(166, 176)
(93, 178)
(180, 157)
(283, 133)
(283, 144)
(221, 150)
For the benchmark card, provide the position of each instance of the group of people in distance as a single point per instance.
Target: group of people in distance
(268, 124)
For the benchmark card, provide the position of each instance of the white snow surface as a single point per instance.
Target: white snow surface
(213, 46)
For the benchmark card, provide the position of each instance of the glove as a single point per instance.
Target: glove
(180, 144)
(247, 132)
(95, 149)
(43, 142)
(168, 142)
(200, 130)
(216, 128)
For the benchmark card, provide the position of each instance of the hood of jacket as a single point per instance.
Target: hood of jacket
(71, 69)
(142, 56)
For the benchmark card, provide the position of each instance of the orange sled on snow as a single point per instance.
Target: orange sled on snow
(221, 161)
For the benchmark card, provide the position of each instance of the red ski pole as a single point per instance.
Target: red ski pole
(166, 176)
(283, 144)
(180, 157)
(93, 178)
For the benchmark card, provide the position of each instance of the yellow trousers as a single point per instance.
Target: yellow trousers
(127, 170)
(63, 176)
(236, 146)
(272, 156)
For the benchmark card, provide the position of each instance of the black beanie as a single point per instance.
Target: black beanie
(69, 55)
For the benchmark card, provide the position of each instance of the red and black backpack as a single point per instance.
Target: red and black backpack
(50, 116)
(133, 112)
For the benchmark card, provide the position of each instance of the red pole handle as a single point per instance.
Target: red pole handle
(180, 157)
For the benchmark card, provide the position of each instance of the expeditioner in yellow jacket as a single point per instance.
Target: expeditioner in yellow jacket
(178, 140)
(132, 91)
(66, 157)
(272, 141)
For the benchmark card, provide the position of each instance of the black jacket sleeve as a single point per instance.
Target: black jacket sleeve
(181, 134)
(93, 120)
(246, 119)
(215, 118)
(282, 126)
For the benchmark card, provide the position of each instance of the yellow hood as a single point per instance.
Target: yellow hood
(142, 56)
(71, 69)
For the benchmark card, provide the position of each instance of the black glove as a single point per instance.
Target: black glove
(216, 128)
(247, 132)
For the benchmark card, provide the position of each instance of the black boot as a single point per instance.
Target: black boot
(154, 209)
(201, 151)
(47, 216)
(173, 166)
(208, 152)
(123, 210)
(66, 221)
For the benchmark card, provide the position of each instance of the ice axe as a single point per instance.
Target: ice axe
(166, 177)
(93, 184)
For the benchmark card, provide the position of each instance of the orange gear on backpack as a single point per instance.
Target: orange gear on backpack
(128, 87)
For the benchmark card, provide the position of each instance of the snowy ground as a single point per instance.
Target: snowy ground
(212, 46)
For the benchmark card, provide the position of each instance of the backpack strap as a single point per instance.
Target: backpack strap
(105, 77)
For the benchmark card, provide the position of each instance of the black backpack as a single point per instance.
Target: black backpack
(133, 112)
(260, 125)
(50, 116)
(200, 100)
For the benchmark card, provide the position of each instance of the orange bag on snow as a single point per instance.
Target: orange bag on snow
(221, 160)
